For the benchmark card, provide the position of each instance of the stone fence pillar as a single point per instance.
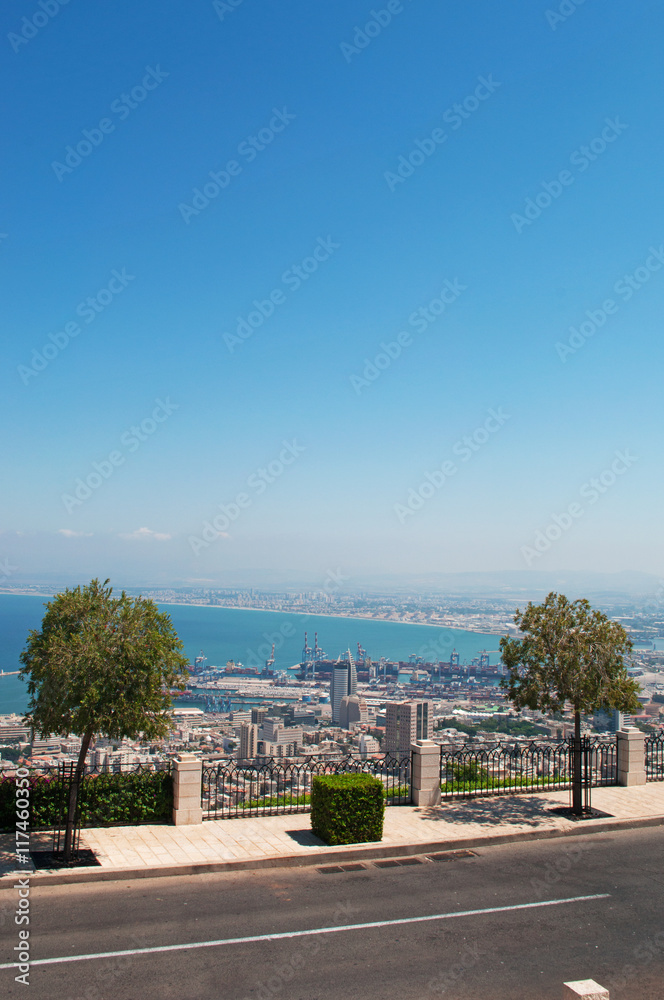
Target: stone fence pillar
(631, 756)
(586, 988)
(425, 777)
(187, 779)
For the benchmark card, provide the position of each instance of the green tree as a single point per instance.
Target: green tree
(101, 666)
(572, 654)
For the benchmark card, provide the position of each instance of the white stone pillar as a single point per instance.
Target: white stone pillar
(631, 756)
(586, 988)
(425, 776)
(187, 780)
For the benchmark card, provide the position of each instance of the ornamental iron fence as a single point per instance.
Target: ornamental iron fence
(271, 787)
(497, 769)
(654, 752)
(93, 770)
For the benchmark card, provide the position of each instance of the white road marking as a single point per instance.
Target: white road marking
(315, 930)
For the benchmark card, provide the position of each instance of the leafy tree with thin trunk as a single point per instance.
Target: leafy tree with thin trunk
(101, 666)
(569, 653)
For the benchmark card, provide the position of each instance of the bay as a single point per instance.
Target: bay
(246, 636)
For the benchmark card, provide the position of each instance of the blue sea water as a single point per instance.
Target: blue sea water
(236, 634)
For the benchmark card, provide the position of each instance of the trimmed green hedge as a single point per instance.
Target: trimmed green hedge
(107, 799)
(347, 808)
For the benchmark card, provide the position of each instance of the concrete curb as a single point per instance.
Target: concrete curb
(335, 855)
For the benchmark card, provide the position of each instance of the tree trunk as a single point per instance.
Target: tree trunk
(73, 795)
(577, 791)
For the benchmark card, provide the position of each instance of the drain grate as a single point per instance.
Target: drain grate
(451, 855)
(398, 862)
(358, 866)
(336, 869)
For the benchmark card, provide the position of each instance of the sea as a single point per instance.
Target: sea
(246, 636)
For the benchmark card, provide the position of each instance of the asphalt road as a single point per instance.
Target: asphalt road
(526, 952)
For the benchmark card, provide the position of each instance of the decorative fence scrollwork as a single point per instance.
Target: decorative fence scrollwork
(498, 769)
(270, 787)
(654, 749)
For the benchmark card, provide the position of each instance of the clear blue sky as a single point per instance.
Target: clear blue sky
(333, 115)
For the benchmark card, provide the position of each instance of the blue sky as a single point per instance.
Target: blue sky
(527, 209)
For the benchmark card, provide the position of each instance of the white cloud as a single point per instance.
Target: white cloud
(146, 534)
(68, 533)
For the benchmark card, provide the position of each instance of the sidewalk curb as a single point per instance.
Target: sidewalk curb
(335, 855)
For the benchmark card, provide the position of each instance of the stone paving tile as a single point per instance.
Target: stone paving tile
(270, 836)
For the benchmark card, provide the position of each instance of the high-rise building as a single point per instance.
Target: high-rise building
(248, 740)
(343, 682)
(257, 715)
(351, 710)
(271, 727)
(611, 719)
(368, 745)
(407, 721)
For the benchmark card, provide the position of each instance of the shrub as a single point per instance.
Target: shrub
(106, 799)
(347, 808)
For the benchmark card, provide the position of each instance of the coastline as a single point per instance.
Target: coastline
(301, 614)
(324, 614)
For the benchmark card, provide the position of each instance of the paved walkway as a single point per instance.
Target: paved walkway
(278, 840)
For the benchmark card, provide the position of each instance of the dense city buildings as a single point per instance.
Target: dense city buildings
(407, 721)
(347, 705)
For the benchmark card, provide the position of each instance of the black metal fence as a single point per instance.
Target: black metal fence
(498, 769)
(115, 767)
(654, 747)
(270, 787)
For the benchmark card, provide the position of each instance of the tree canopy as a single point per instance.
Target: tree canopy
(102, 665)
(569, 653)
